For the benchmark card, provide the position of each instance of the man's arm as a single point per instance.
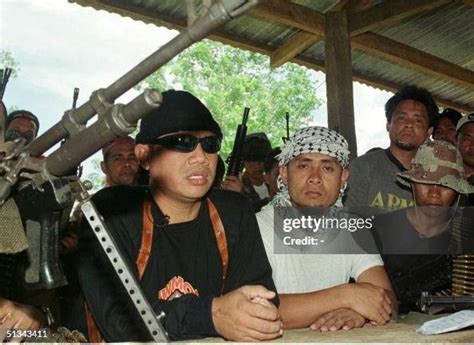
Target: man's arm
(246, 314)
(302, 309)
(378, 276)
(348, 318)
(247, 311)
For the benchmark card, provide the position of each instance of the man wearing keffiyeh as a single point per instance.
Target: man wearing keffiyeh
(314, 289)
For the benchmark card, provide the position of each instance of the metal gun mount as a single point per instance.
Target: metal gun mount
(83, 142)
(128, 280)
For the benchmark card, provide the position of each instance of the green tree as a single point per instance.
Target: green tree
(228, 79)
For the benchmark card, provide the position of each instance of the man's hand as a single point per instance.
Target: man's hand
(233, 183)
(371, 301)
(19, 316)
(246, 314)
(335, 320)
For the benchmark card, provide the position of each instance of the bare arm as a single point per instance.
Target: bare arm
(367, 299)
(376, 275)
(299, 310)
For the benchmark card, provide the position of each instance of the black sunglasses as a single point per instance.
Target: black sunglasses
(188, 143)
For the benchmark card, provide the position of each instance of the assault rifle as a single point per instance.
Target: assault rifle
(41, 186)
(287, 120)
(235, 164)
(4, 77)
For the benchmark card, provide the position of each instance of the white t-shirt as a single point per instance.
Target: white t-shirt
(262, 191)
(298, 273)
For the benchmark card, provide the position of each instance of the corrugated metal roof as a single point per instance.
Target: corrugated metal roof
(446, 32)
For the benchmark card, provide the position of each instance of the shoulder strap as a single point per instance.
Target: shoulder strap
(221, 238)
(92, 330)
(147, 237)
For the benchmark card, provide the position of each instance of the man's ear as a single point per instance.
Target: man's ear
(284, 174)
(266, 178)
(387, 126)
(103, 167)
(430, 132)
(143, 155)
(344, 176)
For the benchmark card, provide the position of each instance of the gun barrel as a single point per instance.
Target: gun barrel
(219, 13)
(120, 121)
(5, 78)
(235, 161)
(75, 96)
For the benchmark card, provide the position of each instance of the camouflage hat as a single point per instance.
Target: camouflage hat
(437, 162)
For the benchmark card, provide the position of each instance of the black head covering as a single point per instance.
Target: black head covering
(180, 111)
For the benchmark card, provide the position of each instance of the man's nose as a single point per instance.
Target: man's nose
(315, 176)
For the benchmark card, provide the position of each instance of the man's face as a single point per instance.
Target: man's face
(408, 127)
(254, 169)
(183, 177)
(271, 180)
(121, 165)
(445, 130)
(314, 179)
(433, 198)
(465, 144)
(21, 127)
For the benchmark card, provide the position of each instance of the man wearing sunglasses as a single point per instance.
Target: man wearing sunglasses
(197, 252)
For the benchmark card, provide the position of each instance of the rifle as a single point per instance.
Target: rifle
(5, 76)
(287, 119)
(41, 186)
(75, 96)
(235, 165)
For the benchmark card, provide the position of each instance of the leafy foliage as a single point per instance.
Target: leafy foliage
(228, 79)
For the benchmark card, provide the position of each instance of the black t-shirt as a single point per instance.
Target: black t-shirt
(395, 234)
(407, 261)
(184, 270)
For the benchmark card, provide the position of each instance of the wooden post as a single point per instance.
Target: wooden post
(338, 64)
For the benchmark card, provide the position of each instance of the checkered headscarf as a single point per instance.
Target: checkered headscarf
(313, 139)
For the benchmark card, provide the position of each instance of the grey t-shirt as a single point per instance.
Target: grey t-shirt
(372, 183)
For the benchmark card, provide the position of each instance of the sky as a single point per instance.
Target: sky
(60, 46)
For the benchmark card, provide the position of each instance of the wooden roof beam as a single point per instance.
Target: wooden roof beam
(388, 13)
(396, 52)
(294, 45)
(290, 14)
(312, 21)
(352, 5)
(318, 65)
(264, 49)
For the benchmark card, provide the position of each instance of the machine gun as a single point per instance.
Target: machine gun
(234, 162)
(432, 304)
(42, 188)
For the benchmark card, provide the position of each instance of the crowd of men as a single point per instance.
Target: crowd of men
(206, 252)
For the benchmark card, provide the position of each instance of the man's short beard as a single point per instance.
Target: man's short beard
(405, 146)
